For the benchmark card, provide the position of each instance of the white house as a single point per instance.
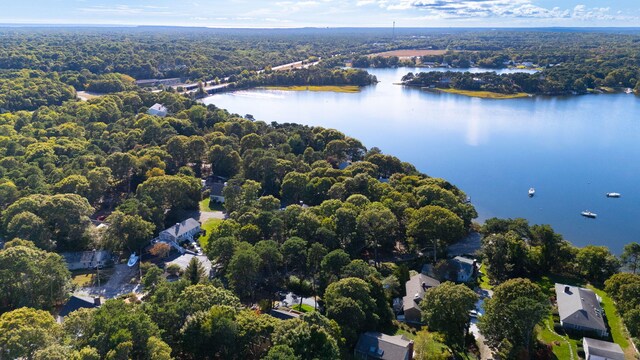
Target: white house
(158, 110)
(183, 231)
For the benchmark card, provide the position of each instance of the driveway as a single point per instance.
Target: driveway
(121, 282)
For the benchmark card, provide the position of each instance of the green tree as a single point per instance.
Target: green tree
(428, 347)
(596, 263)
(378, 225)
(44, 278)
(281, 352)
(29, 226)
(512, 313)
(158, 349)
(351, 296)
(432, 223)
(294, 252)
(130, 231)
(25, 331)
(243, 272)
(446, 310)
(195, 272)
(310, 338)
(631, 256)
(221, 250)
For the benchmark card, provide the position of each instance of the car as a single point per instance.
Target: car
(474, 314)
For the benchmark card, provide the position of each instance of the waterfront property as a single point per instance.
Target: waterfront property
(415, 288)
(379, 346)
(579, 309)
(601, 350)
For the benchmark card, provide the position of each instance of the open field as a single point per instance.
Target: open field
(340, 89)
(485, 94)
(409, 53)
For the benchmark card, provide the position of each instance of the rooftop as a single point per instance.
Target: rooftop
(77, 302)
(86, 256)
(603, 349)
(416, 287)
(382, 346)
(579, 307)
(183, 227)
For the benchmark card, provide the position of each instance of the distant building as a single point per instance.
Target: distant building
(601, 350)
(416, 287)
(158, 110)
(216, 185)
(87, 259)
(467, 268)
(580, 309)
(77, 302)
(378, 346)
(183, 231)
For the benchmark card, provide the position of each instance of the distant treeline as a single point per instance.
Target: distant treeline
(548, 82)
(313, 76)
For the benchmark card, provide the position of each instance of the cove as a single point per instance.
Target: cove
(572, 150)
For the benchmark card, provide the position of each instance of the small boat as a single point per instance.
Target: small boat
(133, 259)
(613, 195)
(589, 214)
(628, 91)
(532, 192)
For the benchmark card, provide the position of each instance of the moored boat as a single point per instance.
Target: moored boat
(532, 192)
(589, 214)
(613, 195)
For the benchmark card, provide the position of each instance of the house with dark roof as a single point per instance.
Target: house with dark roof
(77, 302)
(601, 350)
(580, 309)
(467, 269)
(415, 288)
(88, 259)
(158, 110)
(182, 231)
(379, 346)
(284, 314)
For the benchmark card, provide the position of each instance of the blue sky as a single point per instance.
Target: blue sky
(333, 13)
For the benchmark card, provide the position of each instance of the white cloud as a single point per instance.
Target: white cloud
(468, 9)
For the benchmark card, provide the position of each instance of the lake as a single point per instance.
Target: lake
(573, 150)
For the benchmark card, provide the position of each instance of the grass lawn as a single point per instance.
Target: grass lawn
(82, 279)
(304, 308)
(562, 346)
(209, 226)
(614, 320)
(206, 205)
(485, 94)
(341, 89)
(484, 279)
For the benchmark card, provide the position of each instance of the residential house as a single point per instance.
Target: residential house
(580, 309)
(77, 302)
(183, 261)
(378, 346)
(601, 350)
(416, 287)
(180, 232)
(216, 185)
(158, 110)
(467, 269)
(284, 314)
(88, 259)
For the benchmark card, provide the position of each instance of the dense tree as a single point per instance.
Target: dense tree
(446, 310)
(631, 256)
(195, 272)
(512, 313)
(127, 231)
(432, 223)
(25, 331)
(596, 263)
(44, 278)
(310, 337)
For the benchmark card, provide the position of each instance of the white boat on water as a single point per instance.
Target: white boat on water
(613, 195)
(133, 259)
(532, 192)
(628, 91)
(589, 214)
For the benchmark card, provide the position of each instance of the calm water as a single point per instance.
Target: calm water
(573, 150)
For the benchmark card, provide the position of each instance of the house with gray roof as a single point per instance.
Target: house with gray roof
(77, 302)
(182, 231)
(467, 268)
(80, 260)
(601, 350)
(379, 346)
(580, 309)
(158, 110)
(415, 289)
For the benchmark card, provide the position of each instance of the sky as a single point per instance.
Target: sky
(326, 13)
